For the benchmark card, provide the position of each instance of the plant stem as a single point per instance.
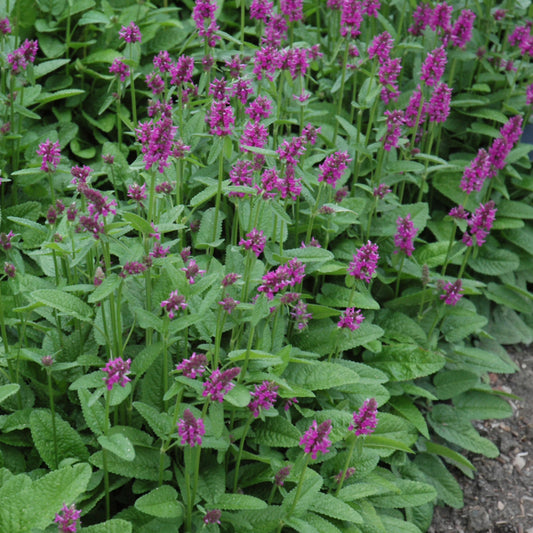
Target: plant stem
(219, 193)
(300, 486)
(359, 443)
(397, 290)
(52, 408)
(241, 448)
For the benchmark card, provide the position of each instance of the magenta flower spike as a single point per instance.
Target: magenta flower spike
(405, 234)
(452, 292)
(315, 439)
(117, 372)
(220, 383)
(191, 429)
(365, 421)
(67, 519)
(130, 33)
(255, 241)
(351, 319)
(51, 153)
(364, 262)
(264, 397)
(174, 304)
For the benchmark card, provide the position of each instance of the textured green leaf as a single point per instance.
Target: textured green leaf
(398, 526)
(494, 261)
(46, 98)
(108, 286)
(236, 502)
(338, 296)
(161, 423)
(138, 223)
(207, 234)
(400, 327)
(523, 238)
(48, 66)
(320, 375)
(161, 502)
(450, 424)
(450, 383)
(481, 361)
(115, 525)
(436, 474)
(64, 302)
(28, 505)
(69, 442)
(410, 412)
(452, 456)
(212, 482)
(239, 396)
(8, 390)
(144, 466)
(432, 254)
(403, 362)
(310, 254)
(322, 525)
(334, 507)
(145, 358)
(512, 209)
(478, 405)
(413, 493)
(311, 485)
(506, 296)
(94, 415)
(277, 432)
(119, 445)
(461, 322)
(508, 328)
(377, 441)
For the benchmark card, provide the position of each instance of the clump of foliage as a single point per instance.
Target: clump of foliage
(258, 261)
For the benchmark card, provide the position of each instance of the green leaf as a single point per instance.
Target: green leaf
(46, 98)
(207, 236)
(144, 466)
(329, 505)
(239, 396)
(512, 209)
(376, 441)
(462, 321)
(403, 362)
(115, 525)
(508, 328)
(148, 320)
(236, 502)
(320, 375)
(94, 415)
(413, 494)
(69, 442)
(204, 195)
(523, 238)
(310, 254)
(161, 502)
(277, 432)
(398, 526)
(119, 445)
(64, 302)
(506, 296)
(410, 412)
(452, 456)
(450, 383)
(437, 474)
(478, 405)
(432, 254)
(312, 482)
(494, 261)
(48, 66)
(161, 423)
(108, 286)
(8, 390)
(138, 223)
(481, 361)
(451, 425)
(145, 358)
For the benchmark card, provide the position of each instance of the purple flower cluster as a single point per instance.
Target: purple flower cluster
(264, 396)
(381, 47)
(365, 421)
(438, 107)
(220, 383)
(286, 275)
(395, 121)
(5, 26)
(300, 314)
(67, 518)
(351, 18)
(117, 372)
(130, 33)
(132, 268)
(452, 292)
(220, 118)
(51, 153)
(255, 241)
(119, 69)
(191, 429)
(365, 262)
(192, 270)
(351, 319)
(20, 58)
(405, 234)
(213, 516)
(204, 16)
(388, 76)
(281, 475)
(315, 439)
(480, 224)
(477, 172)
(522, 38)
(193, 367)
(434, 66)
(228, 304)
(292, 9)
(461, 32)
(98, 203)
(156, 139)
(175, 303)
(333, 167)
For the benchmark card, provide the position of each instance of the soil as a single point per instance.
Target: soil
(500, 497)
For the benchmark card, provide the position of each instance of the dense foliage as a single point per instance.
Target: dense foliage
(259, 261)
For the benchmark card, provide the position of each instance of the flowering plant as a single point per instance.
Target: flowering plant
(251, 254)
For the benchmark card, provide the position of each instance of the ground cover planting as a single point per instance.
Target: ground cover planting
(259, 259)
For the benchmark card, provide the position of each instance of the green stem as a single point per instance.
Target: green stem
(247, 356)
(219, 194)
(104, 456)
(52, 408)
(397, 290)
(132, 90)
(341, 91)
(359, 442)
(300, 486)
(241, 448)
(465, 260)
